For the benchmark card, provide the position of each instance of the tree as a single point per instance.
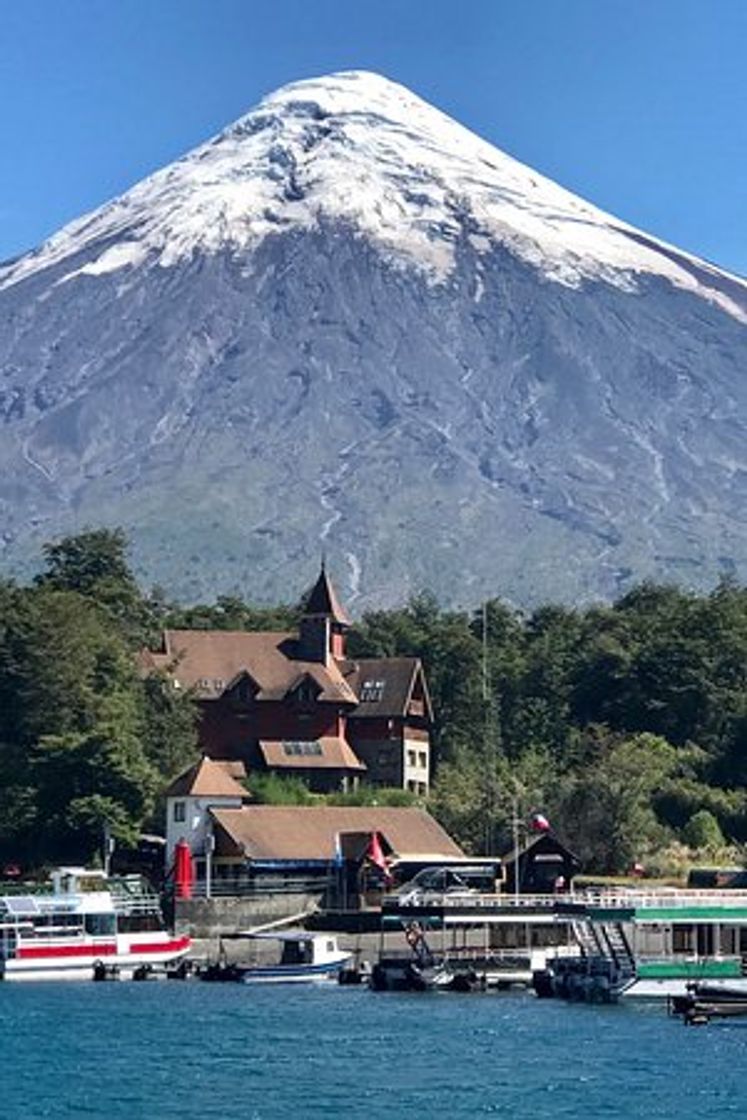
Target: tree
(94, 564)
(457, 799)
(231, 613)
(604, 804)
(89, 780)
(702, 831)
(169, 725)
(74, 729)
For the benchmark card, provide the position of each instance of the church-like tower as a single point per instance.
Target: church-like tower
(324, 623)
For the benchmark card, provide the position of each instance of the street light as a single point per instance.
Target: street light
(109, 844)
(209, 849)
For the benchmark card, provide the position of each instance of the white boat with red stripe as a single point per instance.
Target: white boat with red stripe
(82, 921)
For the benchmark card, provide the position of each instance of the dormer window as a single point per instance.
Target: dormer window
(295, 748)
(305, 692)
(372, 691)
(244, 689)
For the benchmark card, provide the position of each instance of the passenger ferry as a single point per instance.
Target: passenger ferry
(81, 922)
(598, 945)
(651, 944)
(464, 941)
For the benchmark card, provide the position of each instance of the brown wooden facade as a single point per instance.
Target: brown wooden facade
(295, 704)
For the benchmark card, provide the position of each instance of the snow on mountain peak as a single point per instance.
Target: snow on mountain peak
(356, 148)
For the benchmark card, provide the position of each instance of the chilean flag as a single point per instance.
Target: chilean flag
(375, 855)
(539, 823)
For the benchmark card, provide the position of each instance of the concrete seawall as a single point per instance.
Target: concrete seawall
(208, 918)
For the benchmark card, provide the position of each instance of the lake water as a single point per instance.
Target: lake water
(127, 1051)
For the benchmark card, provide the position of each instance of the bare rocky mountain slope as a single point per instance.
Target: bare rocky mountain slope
(348, 324)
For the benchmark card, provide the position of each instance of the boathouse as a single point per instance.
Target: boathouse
(543, 864)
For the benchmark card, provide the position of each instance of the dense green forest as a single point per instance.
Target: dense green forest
(626, 724)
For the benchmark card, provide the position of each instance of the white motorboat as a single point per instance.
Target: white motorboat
(303, 956)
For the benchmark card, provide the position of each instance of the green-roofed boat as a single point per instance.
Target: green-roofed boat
(651, 944)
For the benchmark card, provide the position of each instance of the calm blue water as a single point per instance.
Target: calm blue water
(194, 1051)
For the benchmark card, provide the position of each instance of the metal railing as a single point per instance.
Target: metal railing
(668, 897)
(461, 901)
(133, 898)
(251, 888)
(604, 898)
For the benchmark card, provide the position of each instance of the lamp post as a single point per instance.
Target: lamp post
(108, 848)
(209, 849)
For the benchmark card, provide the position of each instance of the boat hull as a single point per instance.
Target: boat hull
(673, 986)
(79, 962)
(296, 974)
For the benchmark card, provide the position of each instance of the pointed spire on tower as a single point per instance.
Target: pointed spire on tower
(323, 599)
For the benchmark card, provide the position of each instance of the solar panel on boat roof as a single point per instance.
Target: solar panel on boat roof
(21, 904)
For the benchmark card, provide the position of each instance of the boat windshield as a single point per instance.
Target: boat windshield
(297, 952)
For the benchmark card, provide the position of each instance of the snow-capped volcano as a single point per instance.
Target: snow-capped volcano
(357, 148)
(348, 320)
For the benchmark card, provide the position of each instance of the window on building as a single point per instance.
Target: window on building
(244, 690)
(305, 692)
(412, 786)
(422, 789)
(412, 758)
(422, 759)
(180, 811)
(372, 691)
(296, 747)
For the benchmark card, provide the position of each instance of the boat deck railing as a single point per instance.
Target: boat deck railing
(473, 901)
(465, 952)
(623, 899)
(658, 897)
(132, 898)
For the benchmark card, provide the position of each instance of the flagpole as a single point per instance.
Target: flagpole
(488, 735)
(516, 848)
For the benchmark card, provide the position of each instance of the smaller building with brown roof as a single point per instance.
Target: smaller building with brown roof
(205, 786)
(302, 833)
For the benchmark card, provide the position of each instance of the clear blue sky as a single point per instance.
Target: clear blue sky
(638, 105)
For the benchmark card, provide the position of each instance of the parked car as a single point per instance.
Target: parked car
(435, 880)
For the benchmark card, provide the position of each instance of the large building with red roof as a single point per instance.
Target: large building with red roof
(294, 703)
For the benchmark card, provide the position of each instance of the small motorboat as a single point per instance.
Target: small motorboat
(303, 957)
(704, 1002)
